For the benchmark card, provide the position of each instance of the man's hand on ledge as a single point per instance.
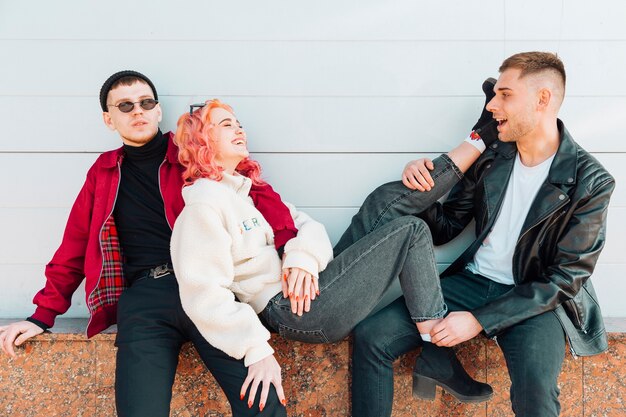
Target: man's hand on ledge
(456, 328)
(15, 334)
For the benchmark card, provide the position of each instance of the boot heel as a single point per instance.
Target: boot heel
(423, 387)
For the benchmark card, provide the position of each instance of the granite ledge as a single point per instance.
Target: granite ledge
(74, 329)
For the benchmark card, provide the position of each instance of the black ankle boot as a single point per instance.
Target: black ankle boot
(440, 366)
(486, 126)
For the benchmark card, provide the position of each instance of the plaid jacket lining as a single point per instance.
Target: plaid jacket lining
(111, 282)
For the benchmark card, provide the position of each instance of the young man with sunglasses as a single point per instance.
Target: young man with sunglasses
(117, 238)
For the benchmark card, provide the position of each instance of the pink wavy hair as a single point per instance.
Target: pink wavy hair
(195, 147)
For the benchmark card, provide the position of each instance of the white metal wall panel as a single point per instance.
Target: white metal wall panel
(336, 97)
(20, 283)
(311, 180)
(283, 68)
(565, 19)
(308, 68)
(251, 20)
(610, 285)
(305, 124)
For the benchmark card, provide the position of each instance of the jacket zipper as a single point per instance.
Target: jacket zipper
(520, 238)
(119, 172)
(578, 319)
(569, 339)
(563, 203)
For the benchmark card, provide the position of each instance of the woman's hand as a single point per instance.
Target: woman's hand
(416, 176)
(301, 288)
(266, 372)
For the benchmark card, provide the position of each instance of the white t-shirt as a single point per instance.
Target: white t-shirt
(494, 258)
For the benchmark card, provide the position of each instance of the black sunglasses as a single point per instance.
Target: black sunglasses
(128, 106)
(193, 106)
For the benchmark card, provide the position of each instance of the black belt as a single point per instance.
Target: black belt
(156, 272)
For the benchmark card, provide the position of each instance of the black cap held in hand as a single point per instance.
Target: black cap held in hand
(106, 87)
(486, 126)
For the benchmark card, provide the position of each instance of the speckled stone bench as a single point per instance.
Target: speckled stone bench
(64, 374)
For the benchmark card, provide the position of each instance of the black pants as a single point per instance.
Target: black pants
(152, 327)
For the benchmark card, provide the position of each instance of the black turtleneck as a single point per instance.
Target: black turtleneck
(139, 209)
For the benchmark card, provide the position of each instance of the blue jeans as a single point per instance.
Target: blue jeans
(378, 246)
(383, 337)
(533, 349)
(393, 200)
(355, 281)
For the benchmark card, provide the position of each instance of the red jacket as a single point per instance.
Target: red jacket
(90, 248)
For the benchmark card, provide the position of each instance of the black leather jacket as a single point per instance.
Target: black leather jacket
(558, 246)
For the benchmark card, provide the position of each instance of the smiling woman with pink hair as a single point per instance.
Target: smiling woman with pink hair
(235, 280)
(196, 150)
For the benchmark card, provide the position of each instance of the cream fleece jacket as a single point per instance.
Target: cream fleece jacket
(222, 247)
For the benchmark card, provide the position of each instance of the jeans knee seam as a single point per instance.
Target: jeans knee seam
(450, 165)
(386, 209)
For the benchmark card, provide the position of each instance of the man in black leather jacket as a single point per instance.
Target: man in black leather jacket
(539, 202)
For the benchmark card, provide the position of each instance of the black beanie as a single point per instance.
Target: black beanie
(106, 87)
